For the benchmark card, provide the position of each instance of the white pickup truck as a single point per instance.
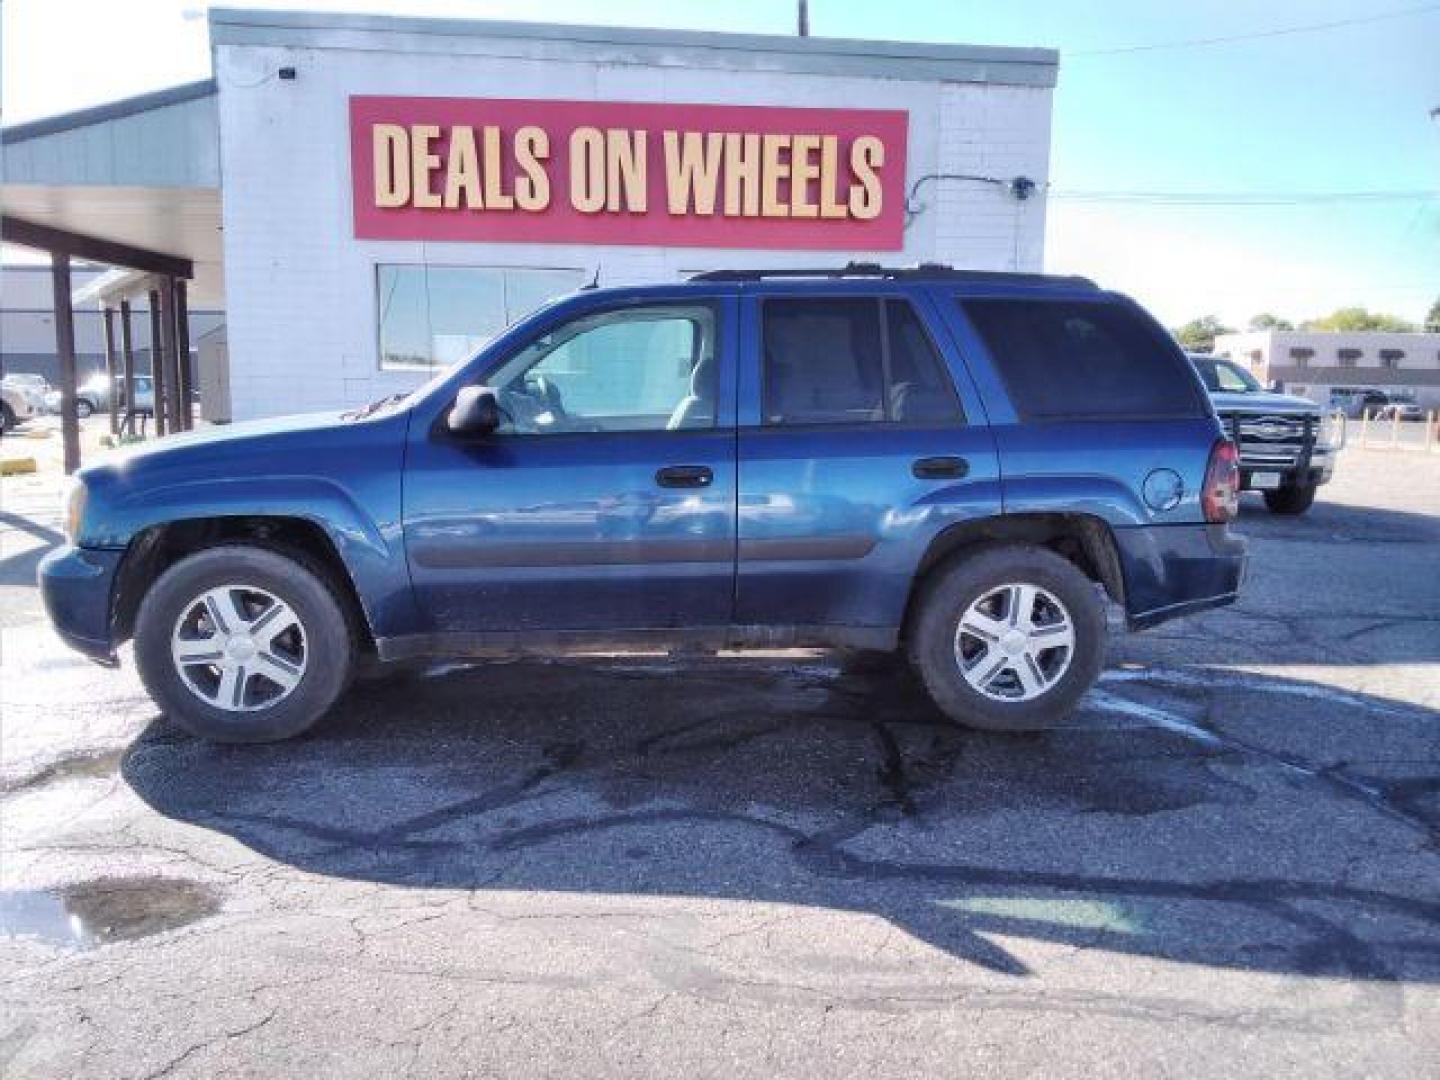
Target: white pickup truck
(1287, 445)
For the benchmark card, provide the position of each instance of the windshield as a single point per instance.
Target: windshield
(1223, 375)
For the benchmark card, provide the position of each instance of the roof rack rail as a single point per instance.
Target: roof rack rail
(927, 271)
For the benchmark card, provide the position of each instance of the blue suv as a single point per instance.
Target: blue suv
(963, 466)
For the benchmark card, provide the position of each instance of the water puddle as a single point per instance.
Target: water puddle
(92, 913)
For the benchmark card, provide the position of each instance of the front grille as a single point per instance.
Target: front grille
(1271, 441)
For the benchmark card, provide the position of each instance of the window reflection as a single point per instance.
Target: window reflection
(432, 316)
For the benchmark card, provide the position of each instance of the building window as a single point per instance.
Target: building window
(1348, 357)
(1301, 356)
(1390, 358)
(432, 316)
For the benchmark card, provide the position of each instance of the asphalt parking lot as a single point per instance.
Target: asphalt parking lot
(776, 865)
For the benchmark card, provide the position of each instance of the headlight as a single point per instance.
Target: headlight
(72, 508)
(1332, 431)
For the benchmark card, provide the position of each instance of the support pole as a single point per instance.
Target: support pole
(157, 363)
(112, 386)
(127, 361)
(174, 404)
(182, 354)
(65, 353)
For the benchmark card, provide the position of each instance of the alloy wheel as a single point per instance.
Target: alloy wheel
(239, 648)
(1014, 642)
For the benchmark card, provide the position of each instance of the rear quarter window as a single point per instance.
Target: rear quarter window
(1074, 360)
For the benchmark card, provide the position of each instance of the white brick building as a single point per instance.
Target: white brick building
(331, 303)
(1313, 363)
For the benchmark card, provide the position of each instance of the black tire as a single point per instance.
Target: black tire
(1290, 500)
(7, 418)
(329, 642)
(948, 594)
(83, 408)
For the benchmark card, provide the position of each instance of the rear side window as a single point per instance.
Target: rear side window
(834, 360)
(920, 387)
(1067, 360)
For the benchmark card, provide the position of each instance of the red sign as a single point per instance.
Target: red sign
(627, 173)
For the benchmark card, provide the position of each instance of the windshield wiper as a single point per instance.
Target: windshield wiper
(375, 406)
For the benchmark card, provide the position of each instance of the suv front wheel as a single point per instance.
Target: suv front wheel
(243, 644)
(1008, 638)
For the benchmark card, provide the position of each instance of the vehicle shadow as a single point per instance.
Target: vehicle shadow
(19, 568)
(1328, 521)
(1340, 585)
(1161, 824)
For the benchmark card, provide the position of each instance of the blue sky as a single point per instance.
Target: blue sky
(1338, 110)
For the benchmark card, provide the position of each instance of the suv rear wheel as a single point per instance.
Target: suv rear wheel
(1290, 500)
(1008, 638)
(243, 644)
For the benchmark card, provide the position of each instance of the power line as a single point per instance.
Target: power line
(1243, 198)
(1283, 31)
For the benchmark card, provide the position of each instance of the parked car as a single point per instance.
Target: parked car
(144, 393)
(1287, 448)
(93, 395)
(30, 388)
(37, 386)
(959, 465)
(1403, 410)
(17, 404)
(1356, 401)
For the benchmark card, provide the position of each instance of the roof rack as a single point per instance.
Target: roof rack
(920, 272)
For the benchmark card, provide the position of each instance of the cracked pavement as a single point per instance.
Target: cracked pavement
(769, 865)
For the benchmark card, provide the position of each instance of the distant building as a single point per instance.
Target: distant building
(27, 324)
(1312, 363)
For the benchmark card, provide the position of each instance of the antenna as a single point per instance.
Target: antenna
(595, 281)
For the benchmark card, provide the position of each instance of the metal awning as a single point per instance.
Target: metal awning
(134, 184)
(143, 173)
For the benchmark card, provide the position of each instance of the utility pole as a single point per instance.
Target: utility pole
(804, 18)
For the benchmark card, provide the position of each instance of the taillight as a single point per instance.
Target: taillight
(1220, 498)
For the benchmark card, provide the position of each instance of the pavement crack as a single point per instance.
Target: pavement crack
(196, 1048)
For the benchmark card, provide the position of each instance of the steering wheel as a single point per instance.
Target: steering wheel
(549, 395)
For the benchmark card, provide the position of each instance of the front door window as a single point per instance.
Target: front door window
(634, 369)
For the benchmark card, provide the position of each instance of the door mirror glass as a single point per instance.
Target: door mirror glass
(476, 412)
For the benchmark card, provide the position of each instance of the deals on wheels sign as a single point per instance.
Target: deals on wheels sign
(625, 173)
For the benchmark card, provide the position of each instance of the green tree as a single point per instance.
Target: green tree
(1358, 318)
(1198, 335)
(1432, 319)
(1267, 321)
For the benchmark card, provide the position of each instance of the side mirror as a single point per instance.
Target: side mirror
(476, 412)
